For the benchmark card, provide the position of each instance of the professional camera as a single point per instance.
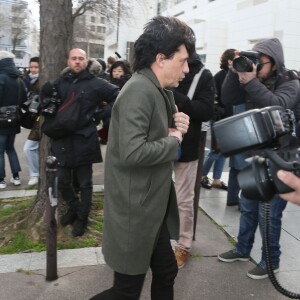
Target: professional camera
(32, 104)
(50, 100)
(244, 62)
(260, 129)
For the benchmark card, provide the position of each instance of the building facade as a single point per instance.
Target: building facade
(89, 33)
(18, 34)
(218, 25)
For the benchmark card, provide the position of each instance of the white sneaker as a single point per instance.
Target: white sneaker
(15, 181)
(33, 180)
(2, 185)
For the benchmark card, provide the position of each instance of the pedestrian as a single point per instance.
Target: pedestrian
(267, 84)
(198, 105)
(12, 95)
(31, 146)
(140, 209)
(214, 156)
(76, 152)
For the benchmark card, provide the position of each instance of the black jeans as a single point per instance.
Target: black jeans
(164, 270)
(82, 175)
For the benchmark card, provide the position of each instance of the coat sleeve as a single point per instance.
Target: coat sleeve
(232, 92)
(285, 95)
(200, 109)
(143, 128)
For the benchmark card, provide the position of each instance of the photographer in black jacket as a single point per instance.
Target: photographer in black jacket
(78, 151)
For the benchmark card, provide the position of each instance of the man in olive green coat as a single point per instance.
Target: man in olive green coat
(140, 210)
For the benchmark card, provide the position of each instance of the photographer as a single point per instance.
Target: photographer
(264, 83)
(292, 181)
(78, 149)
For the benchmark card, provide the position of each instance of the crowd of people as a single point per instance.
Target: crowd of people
(151, 114)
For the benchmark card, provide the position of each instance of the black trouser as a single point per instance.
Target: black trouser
(164, 270)
(82, 175)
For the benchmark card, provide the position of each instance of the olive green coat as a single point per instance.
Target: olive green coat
(139, 191)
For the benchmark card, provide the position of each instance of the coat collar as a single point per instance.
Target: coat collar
(167, 94)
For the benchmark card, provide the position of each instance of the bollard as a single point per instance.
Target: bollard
(51, 233)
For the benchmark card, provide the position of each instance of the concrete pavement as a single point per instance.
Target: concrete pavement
(83, 272)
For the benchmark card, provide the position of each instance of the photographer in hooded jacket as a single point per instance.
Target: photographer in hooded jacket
(264, 84)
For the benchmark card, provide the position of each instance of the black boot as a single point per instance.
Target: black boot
(68, 218)
(80, 227)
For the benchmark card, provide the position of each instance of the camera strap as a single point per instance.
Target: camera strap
(193, 86)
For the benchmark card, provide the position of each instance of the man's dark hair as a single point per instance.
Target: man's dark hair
(34, 59)
(162, 35)
(227, 54)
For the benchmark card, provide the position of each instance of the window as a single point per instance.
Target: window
(93, 19)
(102, 20)
(92, 28)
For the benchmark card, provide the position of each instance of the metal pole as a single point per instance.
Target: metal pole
(198, 177)
(51, 204)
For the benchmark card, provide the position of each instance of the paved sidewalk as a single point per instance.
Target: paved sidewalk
(82, 272)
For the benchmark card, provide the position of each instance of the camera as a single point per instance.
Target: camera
(244, 62)
(32, 104)
(261, 129)
(50, 100)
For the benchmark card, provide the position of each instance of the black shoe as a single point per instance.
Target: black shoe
(79, 227)
(206, 183)
(232, 203)
(220, 185)
(68, 218)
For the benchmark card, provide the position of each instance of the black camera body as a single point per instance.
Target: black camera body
(260, 129)
(244, 62)
(50, 100)
(32, 104)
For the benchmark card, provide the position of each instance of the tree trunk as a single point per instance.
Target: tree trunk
(55, 42)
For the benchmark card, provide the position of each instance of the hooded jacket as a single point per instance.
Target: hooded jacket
(12, 92)
(273, 91)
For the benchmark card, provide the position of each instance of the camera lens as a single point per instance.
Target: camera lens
(254, 180)
(242, 64)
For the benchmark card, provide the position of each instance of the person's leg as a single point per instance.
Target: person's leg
(164, 267)
(233, 189)
(218, 166)
(125, 287)
(12, 154)
(31, 150)
(3, 139)
(248, 225)
(84, 175)
(208, 162)
(277, 206)
(65, 187)
(185, 174)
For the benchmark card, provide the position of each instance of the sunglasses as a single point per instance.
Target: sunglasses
(260, 65)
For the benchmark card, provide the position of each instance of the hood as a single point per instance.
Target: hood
(93, 67)
(273, 48)
(7, 64)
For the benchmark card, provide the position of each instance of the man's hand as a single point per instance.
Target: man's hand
(245, 77)
(293, 182)
(176, 133)
(182, 122)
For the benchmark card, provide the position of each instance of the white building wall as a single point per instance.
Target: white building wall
(130, 27)
(239, 24)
